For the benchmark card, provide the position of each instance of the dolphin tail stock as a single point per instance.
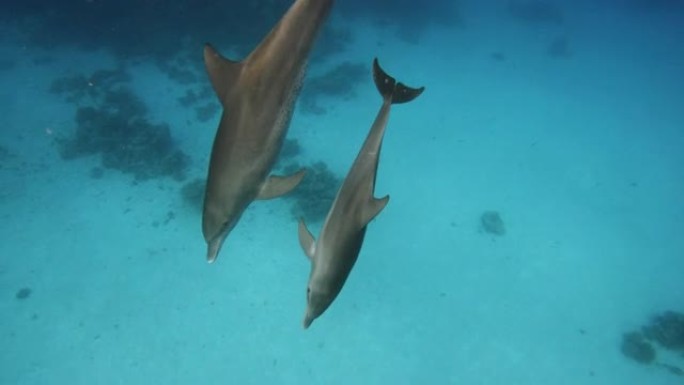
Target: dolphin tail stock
(388, 86)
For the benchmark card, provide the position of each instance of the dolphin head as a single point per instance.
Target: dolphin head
(317, 301)
(215, 232)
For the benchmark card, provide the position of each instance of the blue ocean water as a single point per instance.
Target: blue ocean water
(533, 233)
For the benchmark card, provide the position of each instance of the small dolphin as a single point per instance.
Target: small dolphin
(334, 253)
(258, 96)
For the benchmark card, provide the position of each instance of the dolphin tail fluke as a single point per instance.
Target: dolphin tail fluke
(389, 88)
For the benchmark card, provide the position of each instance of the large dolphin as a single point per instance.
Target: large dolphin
(258, 96)
(334, 253)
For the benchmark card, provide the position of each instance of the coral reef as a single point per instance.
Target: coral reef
(314, 196)
(23, 293)
(80, 88)
(667, 329)
(112, 121)
(291, 149)
(193, 97)
(125, 28)
(339, 82)
(492, 223)
(206, 112)
(157, 29)
(193, 193)
(637, 348)
(664, 331)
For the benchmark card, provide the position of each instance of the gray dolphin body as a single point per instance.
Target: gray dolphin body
(334, 253)
(258, 96)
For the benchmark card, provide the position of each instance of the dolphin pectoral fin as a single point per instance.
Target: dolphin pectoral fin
(223, 72)
(306, 240)
(277, 185)
(372, 209)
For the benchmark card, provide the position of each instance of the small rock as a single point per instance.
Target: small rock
(492, 223)
(23, 293)
(634, 346)
(667, 329)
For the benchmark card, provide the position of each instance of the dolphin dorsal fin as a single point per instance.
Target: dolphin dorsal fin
(223, 72)
(372, 209)
(306, 240)
(278, 185)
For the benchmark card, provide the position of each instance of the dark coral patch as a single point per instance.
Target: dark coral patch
(23, 293)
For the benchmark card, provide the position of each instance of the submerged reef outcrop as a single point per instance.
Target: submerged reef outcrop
(635, 346)
(314, 196)
(667, 329)
(340, 83)
(192, 193)
(111, 121)
(664, 331)
(492, 223)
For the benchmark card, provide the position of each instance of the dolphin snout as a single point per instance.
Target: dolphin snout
(213, 248)
(308, 319)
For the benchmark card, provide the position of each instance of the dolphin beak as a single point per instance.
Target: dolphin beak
(308, 319)
(213, 249)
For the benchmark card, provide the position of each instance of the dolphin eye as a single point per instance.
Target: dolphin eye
(308, 292)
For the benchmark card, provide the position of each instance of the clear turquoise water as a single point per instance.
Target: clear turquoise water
(581, 153)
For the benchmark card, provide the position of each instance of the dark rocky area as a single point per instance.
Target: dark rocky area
(314, 196)
(663, 331)
(492, 223)
(23, 293)
(160, 29)
(635, 346)
(192, 193)
(667, 329)
(338, 83)
(111, 121)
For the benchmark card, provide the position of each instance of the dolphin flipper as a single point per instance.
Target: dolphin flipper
(277, 185)
(306, 239)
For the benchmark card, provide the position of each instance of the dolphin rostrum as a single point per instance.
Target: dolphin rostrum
(258, 95)
(334, 253)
